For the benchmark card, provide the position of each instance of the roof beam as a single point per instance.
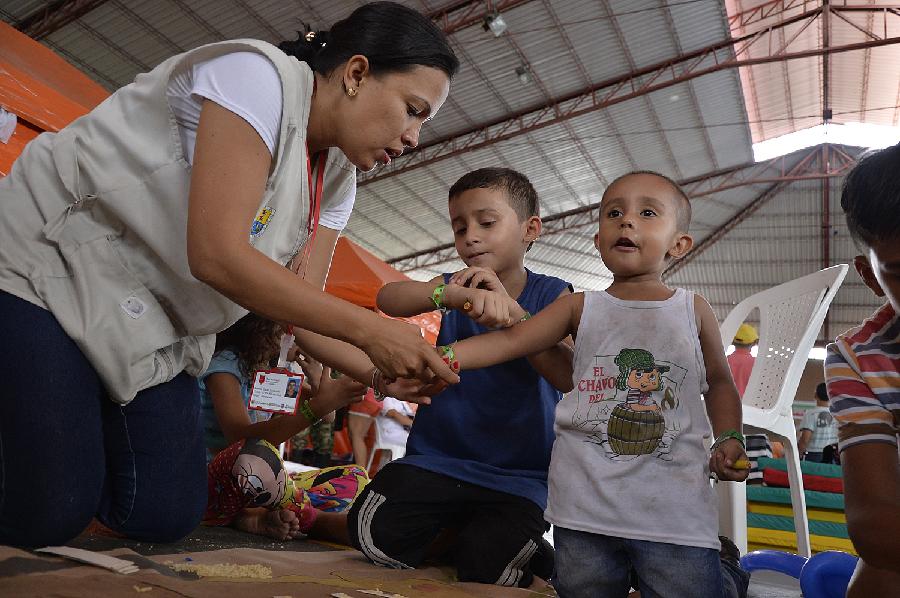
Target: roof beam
(55, 16)
(714, 58)
(775, 172)
(461, 14)
(820, 162)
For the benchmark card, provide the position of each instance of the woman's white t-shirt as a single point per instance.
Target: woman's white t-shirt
(247, 84)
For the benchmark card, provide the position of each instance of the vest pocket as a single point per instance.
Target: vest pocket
(113, 318)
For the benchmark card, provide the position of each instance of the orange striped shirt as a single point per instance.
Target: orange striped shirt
(862, 372)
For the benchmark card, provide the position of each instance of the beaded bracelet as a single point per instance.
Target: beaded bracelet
(437, 297)
(527, 316)
(306, 411)
(449, 357)
(728, 435)
(376, 382)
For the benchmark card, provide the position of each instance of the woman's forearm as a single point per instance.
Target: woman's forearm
(338, 355)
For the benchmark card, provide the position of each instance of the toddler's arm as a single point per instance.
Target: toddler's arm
(539, 333)
(723, 403)
(554, 364)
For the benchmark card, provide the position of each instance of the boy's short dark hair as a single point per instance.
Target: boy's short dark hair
(683, 209)
(822, 392)
(519, 191)
(871, 197)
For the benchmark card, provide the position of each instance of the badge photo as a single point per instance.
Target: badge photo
(276, 391)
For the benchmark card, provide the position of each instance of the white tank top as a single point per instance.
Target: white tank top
(629, 459)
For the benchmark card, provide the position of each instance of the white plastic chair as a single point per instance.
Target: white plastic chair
(791, 315)
(397, 451)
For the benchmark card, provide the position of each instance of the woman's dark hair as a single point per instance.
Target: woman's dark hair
(255, 339)
(393, 37)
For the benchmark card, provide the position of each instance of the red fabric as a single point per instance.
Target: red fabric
(776, 477)
(224, 498)
(741, 364)
(368, 406)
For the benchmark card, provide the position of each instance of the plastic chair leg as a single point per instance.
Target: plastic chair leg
(798, 497)
(733, 512)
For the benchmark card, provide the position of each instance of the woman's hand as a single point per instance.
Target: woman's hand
(413, 391)
(399, 351)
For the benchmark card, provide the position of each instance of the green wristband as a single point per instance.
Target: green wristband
(727, 435)
(306, 411)
(437, 297)
(449, 356)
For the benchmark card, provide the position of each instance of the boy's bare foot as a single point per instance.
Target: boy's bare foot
(280, 524)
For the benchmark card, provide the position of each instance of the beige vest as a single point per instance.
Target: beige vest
(93, 225)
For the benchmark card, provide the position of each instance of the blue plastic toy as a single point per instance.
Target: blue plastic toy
(827, 574)
(824, 575)
(773, 560)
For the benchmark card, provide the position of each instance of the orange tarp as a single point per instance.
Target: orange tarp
(44, 91)
(356, 275)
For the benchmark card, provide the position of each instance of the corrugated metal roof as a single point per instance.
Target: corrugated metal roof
(685, 130)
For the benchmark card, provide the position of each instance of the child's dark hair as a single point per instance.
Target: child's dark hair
(683, 209)
(519, 191)
(255, 339)
(822, 392)
(871, 198)
(393, 37)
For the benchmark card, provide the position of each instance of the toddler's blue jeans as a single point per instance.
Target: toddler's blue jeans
(596, 566)
(68, 453)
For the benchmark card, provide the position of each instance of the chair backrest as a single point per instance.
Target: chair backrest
(791, 315)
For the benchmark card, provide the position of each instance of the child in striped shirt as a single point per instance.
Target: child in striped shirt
(862, 371)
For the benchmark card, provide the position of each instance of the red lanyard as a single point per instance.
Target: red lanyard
(315, 197)
(315, 203)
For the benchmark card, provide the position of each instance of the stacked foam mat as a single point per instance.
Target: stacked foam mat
(770, 521)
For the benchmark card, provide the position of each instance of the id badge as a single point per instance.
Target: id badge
(275, 391)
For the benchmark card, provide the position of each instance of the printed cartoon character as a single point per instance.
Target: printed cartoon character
(259, 474)
(640, 376)
(636, 426)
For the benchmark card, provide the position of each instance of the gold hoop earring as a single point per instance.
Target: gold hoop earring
(351, 91)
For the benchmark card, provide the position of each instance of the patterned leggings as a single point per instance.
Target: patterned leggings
(250, 473)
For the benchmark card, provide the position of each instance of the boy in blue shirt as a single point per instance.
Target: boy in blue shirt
(477, 456)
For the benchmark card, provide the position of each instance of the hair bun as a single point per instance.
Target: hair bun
(318, 39)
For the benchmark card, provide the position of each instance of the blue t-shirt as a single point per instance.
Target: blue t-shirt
(227, 362)
(494, 428)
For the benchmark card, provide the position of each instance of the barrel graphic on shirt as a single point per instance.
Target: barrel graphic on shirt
(634, 432)
(628, 404)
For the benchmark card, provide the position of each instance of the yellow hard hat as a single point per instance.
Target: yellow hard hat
(746, 335)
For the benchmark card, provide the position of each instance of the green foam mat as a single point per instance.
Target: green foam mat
(824, 500)
(819, 528)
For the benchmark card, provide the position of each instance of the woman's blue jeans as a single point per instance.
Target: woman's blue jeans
(68, 453)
